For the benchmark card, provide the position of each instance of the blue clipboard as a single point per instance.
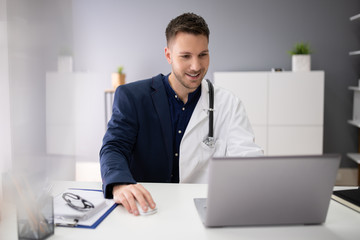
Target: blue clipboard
(98, 221)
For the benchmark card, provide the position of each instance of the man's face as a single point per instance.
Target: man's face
(188, 55)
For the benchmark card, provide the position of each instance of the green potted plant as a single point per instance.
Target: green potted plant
(301, 58)
(118, 78)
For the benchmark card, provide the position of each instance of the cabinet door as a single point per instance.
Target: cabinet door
(74, 114)
(251, 88)
(295, 140)
(296, 98)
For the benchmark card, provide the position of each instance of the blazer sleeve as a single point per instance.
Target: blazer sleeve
(118, 142)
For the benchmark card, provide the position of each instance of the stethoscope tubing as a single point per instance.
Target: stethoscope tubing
(211, 109)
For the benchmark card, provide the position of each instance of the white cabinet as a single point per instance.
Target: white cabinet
(286, 109)
(355, 121)
(75, 113)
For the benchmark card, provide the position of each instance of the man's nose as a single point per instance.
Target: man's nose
(195, 65)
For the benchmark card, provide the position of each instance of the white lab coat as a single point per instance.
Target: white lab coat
(232, 132)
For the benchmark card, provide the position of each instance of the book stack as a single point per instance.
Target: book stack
(349, 198)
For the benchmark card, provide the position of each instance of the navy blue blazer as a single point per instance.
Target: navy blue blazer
(137, 146)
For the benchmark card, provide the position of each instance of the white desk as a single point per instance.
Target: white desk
(177, 218)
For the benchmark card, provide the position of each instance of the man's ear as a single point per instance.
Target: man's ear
(168, 55)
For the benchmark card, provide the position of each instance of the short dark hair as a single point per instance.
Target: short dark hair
(188, 23)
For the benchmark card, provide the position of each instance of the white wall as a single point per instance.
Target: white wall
(5, 133)
(38, 31)
(245, 35)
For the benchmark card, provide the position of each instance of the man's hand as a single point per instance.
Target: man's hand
(128, 194)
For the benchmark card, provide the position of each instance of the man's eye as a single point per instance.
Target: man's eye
(203, 54)
(185, 56)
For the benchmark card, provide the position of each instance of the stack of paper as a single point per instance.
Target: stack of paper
(70, 217)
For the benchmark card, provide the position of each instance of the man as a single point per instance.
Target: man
(158, 126)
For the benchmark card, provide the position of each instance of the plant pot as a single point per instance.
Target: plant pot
(65, 64)
(301, 62)
(117, 79)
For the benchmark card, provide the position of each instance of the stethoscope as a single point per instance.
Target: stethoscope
(210, 141)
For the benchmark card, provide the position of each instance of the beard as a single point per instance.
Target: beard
(190, 84)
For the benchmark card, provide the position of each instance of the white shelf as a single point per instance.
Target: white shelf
(354, 88)
(355, 123)
(353, 18)
(355, 157)
(353, 53)
(356, 111)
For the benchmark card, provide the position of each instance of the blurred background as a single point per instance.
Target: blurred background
(57, 57)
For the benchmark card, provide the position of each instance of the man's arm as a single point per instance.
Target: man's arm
(241, 136)
(115, 156)
(118, 142)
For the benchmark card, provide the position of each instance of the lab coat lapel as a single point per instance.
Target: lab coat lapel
(201, 110)
(161, 105)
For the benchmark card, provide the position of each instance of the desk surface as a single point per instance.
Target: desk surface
(177, 218)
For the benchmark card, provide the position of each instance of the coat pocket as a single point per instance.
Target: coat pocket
(209, 152)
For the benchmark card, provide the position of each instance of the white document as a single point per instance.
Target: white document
(66, 215)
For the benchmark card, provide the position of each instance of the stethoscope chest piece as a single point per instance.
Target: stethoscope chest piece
(210, 142)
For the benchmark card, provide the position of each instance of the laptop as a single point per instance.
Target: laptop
(282, 190)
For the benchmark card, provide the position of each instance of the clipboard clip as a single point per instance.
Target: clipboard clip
(69, 224)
